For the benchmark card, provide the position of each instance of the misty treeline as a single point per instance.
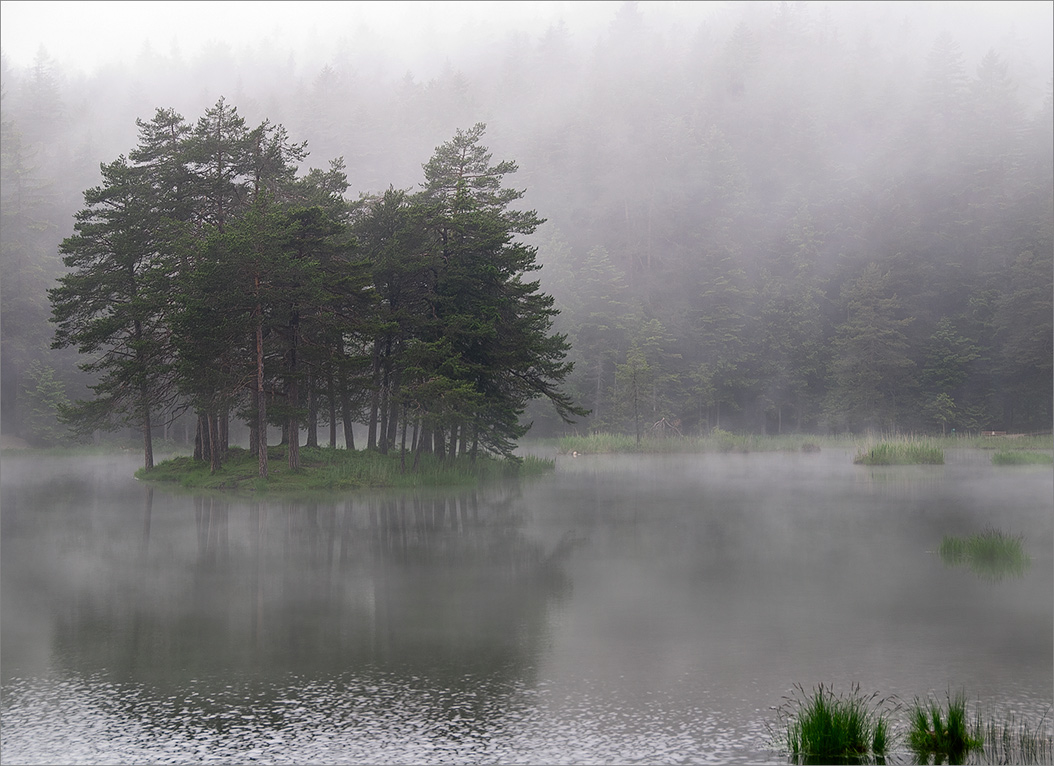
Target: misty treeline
(773, 220)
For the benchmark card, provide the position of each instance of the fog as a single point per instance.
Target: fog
(760, 218)
(726, 186)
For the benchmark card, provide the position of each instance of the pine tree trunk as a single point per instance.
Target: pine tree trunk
(371, 436)
(332, 413)
(294, 431)
(293, 393)
(223, 432)
(345, 420)
(201, 438)
(260, 442)
(382, 431)
(148, 443)
(402, 445)
(312, 412)
(214, 438)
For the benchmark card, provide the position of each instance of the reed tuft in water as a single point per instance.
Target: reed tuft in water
(941, 731)
(824, 727)
(991, 554)
(901, 453)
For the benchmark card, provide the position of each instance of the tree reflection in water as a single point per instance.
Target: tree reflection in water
(433, 586)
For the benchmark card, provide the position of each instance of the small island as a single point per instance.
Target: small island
(324, 469)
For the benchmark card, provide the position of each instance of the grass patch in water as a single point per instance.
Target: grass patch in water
(823, 727)
(901, 453)
(991, 554)
(941, 732)
(327, 469)
(1021, 457)
(1005, 739)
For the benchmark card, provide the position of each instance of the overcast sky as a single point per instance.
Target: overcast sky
(82, 35)
(87, 34)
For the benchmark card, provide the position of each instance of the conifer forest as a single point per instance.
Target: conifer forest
(779, 218)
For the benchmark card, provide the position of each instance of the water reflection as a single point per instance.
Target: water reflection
(443, 626)
(434, 581)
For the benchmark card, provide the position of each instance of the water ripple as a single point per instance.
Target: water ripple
(376, 718)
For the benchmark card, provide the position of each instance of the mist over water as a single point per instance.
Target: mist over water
(623, 609)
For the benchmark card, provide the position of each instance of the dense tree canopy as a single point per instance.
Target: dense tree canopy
(207, 272)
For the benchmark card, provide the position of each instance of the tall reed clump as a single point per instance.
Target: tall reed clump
(1021, 457)
(901, 453)
(941, 732)
(828, 727)
(990, 554)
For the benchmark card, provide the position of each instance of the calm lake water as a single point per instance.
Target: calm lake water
(624, 609)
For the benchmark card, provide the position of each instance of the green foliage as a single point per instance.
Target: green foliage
(822, 727)
(873, 367)
(829, 728)
(901, 453)
(44, 402)
(1021, 457)
(941, 731)
(991, 554)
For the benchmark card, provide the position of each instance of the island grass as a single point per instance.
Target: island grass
(901, 453)
(326, 469)
(824, 727)
(1021, 457)
(941, 731)
(991, 554)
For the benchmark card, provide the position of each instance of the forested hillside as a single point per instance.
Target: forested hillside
(773, 219)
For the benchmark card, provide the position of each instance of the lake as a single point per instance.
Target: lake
(625, 609)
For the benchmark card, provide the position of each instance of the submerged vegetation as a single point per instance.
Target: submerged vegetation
(991, 554)
(326, 469)
(830, 727)
(1006, 739)
(901, 453)
(1021, 457)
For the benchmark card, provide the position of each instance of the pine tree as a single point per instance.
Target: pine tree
(109, 305)
(872, 366)
(495, 324)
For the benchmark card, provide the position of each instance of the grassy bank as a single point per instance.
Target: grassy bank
(325, 469)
